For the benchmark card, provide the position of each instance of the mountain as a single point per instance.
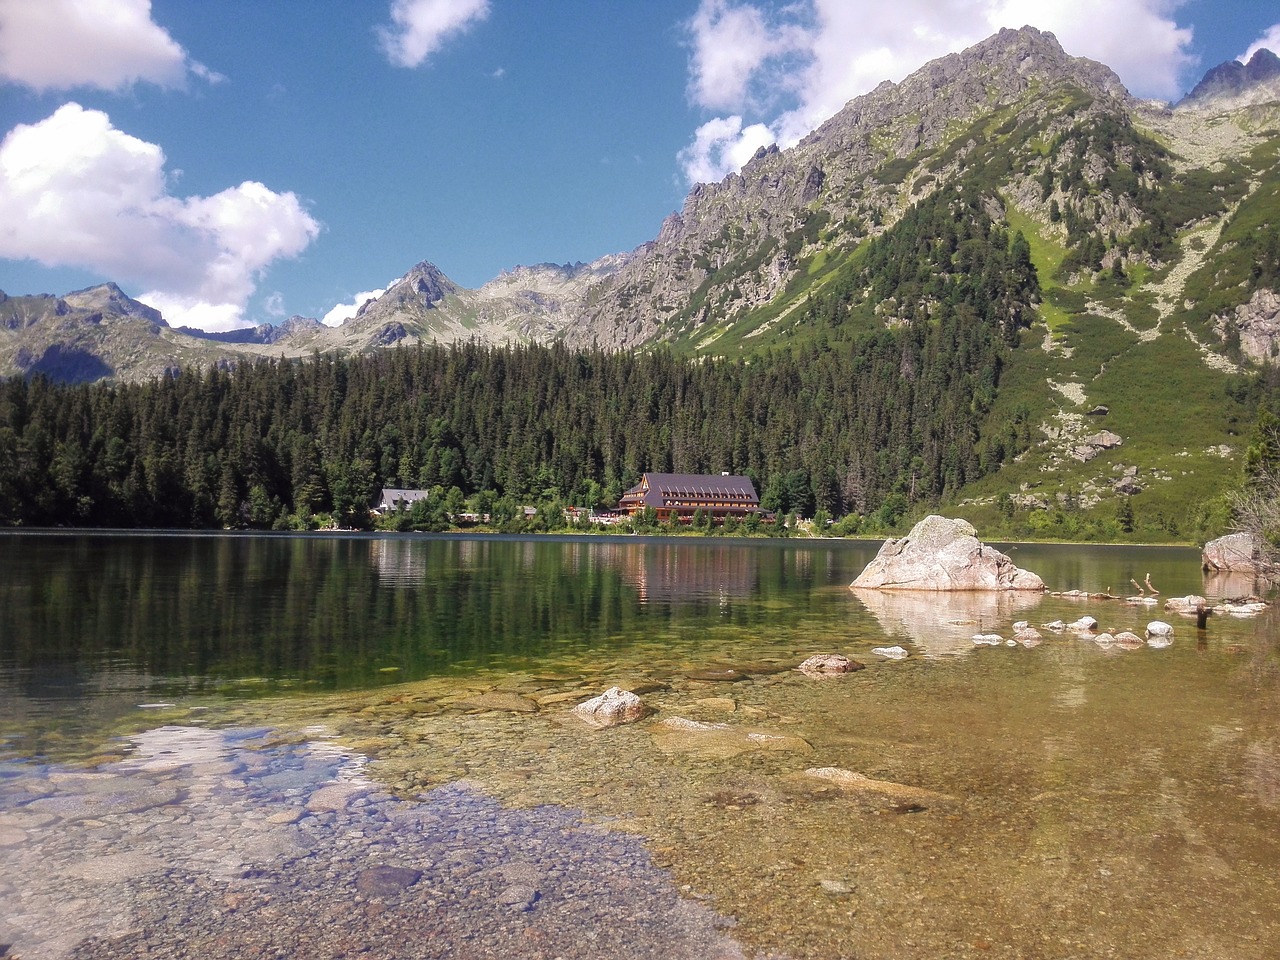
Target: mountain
(264, 333)
(738, 244)
(1124, 254)
(1236, 84)
(528, 303)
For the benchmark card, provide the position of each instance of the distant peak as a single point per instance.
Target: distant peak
(109, 298)
(1234, 79)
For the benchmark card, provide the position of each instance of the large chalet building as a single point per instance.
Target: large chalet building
(683, 494)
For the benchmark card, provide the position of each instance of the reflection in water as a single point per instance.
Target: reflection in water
(400, 563)
(944, 623)
(1230, 586)
(664, 572)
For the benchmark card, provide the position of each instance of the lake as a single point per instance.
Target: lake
(289, 723)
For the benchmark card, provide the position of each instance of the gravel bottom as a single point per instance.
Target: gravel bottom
(213, 844)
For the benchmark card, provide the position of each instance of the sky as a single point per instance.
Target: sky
(239, 162)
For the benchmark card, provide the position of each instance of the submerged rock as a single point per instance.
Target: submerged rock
(612, 708)
(851, 782)
(716, 675)
(893, 653)
(722, 739)
(499, 700)
(829, 664)
(942, 554)
(384, 880)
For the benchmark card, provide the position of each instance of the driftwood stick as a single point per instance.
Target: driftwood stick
(1137, 586)
(1154, 591)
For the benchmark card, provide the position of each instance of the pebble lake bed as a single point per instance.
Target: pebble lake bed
(1069, 799)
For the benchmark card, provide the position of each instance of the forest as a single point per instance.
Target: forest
(865, 420)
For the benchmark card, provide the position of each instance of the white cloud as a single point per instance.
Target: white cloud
(345, 311)
(1269, 41)
(721, 146)
(108, 44)
(75, 191)
(819, 54)
(420, 27)
(732, 47)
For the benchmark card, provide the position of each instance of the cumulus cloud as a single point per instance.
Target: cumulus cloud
(734, 47)
(343, 312)
(108, 44)
(785, 67)
(722, 145)
(420, 27)
(75, 191)
(1268, 41)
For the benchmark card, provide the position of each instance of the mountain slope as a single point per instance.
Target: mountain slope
(737, 244)
(1103, 274)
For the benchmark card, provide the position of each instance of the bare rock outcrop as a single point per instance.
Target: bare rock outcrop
(1256, 324)
(1091, 446)
(943, 554)
(1236, 553)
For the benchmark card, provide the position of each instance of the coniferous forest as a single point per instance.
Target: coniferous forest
(851, 418)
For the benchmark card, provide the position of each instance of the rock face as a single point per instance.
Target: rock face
(1233, 81)
(612, 708)
(1237, 553)
(1256, 325)
(942, 554)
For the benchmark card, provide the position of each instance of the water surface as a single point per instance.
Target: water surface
(1069, 800)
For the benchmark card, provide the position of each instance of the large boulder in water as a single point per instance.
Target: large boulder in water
(1237, 553)
(942, 554)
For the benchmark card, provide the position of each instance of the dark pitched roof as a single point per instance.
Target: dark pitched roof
(655, 489)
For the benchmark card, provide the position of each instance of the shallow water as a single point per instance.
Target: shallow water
(1068, 800)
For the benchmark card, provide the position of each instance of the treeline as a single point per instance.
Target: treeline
(275, 443)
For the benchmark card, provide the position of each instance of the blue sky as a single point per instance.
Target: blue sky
(240, 161)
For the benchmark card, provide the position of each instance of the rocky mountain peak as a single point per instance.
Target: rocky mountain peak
(109, 300)
(425, 282)
(1237, 84)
